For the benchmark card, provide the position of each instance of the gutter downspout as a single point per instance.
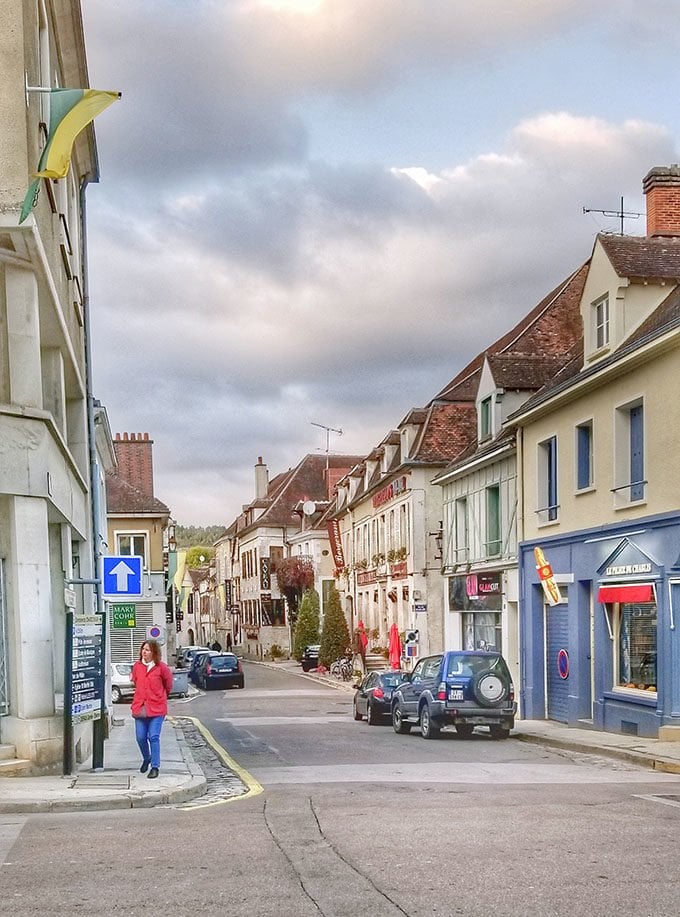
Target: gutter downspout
(99, 727)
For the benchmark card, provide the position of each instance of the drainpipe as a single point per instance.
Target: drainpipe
(99, 727)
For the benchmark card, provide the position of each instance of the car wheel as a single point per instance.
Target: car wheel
(116, 696)
(428, 729)
(357, 715)
(464, 730)
(489, 689)
(372, 717)
(499, 732)
(398, 723)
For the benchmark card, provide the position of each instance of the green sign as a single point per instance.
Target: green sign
(123, 615)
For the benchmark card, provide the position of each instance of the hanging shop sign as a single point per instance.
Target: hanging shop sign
(547, 578)
(336, 544)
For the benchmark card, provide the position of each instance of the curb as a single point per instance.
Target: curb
(196, 786)
(663, 765)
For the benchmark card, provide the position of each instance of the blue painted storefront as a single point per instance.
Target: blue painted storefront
(568, 651)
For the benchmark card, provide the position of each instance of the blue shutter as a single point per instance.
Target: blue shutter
(637, 464)
(583, 444)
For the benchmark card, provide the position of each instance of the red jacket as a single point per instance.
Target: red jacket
(151, 688)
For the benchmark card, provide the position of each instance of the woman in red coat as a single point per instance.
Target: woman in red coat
(153, 682)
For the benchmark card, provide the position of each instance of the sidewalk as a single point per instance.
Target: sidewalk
(119, 785)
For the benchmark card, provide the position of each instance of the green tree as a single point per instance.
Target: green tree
(186, 536)
(335, 639)
(294, 575)
(195, 554)
(307, 624)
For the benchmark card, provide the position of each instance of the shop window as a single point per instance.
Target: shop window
(482, 631)
(635, 646)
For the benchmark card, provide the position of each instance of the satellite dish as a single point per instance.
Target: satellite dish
(309, 507)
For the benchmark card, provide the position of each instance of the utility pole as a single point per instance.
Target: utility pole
(328, 430)
(620, 213)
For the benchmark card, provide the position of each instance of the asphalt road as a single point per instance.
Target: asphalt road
(357, 820)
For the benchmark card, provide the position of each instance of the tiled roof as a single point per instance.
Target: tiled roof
(524, 372)
(506, 436)
(445, 433)
(643, 256)
(305, 482)
(551, 328)
(125, 498)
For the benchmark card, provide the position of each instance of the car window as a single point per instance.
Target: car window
(432, 665)
(418, 671)
(223, 663)
(123, 668)
(392, 679)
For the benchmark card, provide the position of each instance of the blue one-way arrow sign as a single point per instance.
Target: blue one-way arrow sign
(122, 576)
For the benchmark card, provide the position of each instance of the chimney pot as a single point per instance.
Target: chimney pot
(661, 186)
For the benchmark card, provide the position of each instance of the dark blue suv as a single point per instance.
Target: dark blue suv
(459, 688)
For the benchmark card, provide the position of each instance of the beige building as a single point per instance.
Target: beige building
(598, 453)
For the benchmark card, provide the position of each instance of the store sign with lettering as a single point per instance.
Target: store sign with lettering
(336, 545)
(394, 489)
(627, 569)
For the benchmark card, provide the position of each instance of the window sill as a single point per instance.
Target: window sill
(648, 698)
(585, 490)
(548, 523)
(631, 505)
(598, 353)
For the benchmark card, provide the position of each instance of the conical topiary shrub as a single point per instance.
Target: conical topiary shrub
(335, 639)
(307, 625)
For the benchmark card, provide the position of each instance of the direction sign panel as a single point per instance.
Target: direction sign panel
(86, 668)
(122, 576)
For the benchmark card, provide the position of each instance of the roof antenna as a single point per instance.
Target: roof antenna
(328, 430)
(620, 213)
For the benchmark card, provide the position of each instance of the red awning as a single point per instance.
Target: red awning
(634, 592)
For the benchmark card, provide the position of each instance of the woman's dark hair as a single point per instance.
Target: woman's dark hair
(155, 650)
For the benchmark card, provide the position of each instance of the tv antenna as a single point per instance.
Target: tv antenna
(328, 430)
(620, 213)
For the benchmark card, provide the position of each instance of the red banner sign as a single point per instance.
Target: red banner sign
(398, 486)
(336, 545)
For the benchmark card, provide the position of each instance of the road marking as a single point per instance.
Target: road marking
(286, 692)
(336, 719)
(10, 829)
(254, 788)
(456, 772)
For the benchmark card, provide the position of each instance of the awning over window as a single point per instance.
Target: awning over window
(633, 592)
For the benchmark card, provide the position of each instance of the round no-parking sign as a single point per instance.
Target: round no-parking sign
(155, 632)
(563, 663)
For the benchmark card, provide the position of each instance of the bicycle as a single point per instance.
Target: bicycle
(342, 668)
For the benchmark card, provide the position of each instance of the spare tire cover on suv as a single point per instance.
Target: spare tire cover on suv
(490, 689)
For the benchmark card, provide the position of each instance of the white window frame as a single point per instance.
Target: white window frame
(136, 533)
(627, 491)
(547, 465)
(601, 322)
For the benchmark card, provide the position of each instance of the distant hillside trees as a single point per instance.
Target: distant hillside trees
(188, 536)
(195, 554)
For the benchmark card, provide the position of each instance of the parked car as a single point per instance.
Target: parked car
(373, 697)
(196, 660)
(310, 657)
(121, 685)
(220, 670)
(461, 689)
(186, 654)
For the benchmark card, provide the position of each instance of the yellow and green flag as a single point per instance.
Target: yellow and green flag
(71, 110)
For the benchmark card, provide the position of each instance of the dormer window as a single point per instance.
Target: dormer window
(485, 419)
(601, 322)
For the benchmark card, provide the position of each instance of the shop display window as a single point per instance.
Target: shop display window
(482, 631)
(636, 646)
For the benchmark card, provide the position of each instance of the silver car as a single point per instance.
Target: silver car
(121, 685)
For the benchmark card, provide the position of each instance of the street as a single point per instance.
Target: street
(355, 819)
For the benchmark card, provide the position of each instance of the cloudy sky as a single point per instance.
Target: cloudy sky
(317, 211)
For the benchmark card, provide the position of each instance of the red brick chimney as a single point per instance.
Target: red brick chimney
(134, 454)
(662, 189)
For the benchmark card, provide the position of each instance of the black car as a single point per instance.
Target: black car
(373, 697)
(196, 660)
(462, 689)
(220, 670)
(310, 657)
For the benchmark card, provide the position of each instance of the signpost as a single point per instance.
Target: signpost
(84, 681)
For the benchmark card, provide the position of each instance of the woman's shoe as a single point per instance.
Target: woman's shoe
(145, 766)
(152, 773)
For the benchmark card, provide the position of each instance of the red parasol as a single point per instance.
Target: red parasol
(395, 647)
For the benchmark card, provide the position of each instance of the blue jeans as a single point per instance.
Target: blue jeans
(148, 735)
